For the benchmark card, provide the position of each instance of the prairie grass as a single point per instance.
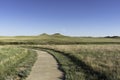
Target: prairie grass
(100, 59)
(15, 62)
(97, 59)
(57, 39)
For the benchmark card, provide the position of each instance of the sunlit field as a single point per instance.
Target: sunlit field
(79, 58)
(96, 62)
(15, 62)
(56, 39)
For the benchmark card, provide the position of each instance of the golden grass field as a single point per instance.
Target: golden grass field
(83, 57)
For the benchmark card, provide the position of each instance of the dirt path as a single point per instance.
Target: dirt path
(45, 68)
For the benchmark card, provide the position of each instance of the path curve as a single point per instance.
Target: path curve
(45, 68)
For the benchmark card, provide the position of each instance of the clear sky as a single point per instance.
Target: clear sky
(69, 17)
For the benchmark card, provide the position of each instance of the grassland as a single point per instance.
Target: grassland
(87, 62)
(80, 58)
(15, 62)
(56, 39)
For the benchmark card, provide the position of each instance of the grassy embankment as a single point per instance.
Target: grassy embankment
(15, 62)
(87, 62)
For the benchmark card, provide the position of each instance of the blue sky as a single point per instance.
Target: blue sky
(69, 17)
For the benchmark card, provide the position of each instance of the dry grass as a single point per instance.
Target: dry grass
(15, 62)
(102, 58)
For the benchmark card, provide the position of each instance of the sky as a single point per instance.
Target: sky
(68, 17)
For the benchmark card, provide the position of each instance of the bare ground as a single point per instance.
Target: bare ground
(45, 68)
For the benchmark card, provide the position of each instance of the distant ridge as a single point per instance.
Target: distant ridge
(53, 35)
(57, 34)
(44, 34)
